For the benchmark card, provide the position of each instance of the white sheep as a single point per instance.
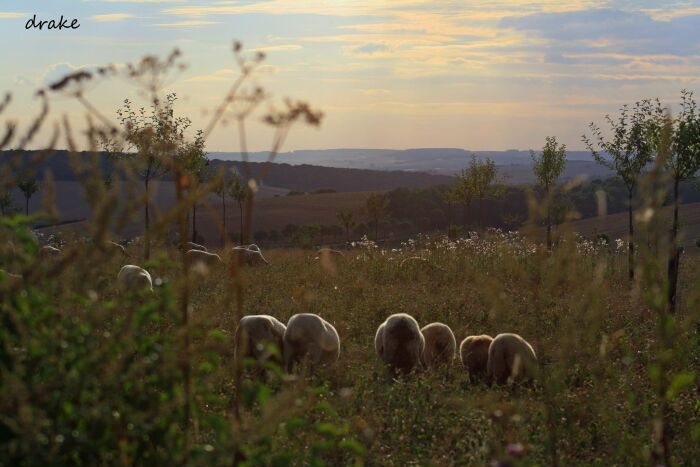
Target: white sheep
(330, 252)
(194, 246)
(49, 252)
(474, 354)
(253, 335)
(194, 257)
(309, 335)
(251, 255)
(440, 345)
(511, 360)
(133, 277)
(399, 343)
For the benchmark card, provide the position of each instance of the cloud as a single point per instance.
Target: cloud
(278, 48)
(185, 24)
(225, 74)
(13, 15)
(111, 17)
(369, 49)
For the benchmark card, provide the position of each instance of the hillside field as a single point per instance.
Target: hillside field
(595, 338)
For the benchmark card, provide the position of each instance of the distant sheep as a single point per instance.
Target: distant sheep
(309, 335)
(440, 345)
(254, 333)
(511, 360)
(474, 354)
(399, 343)
(250, 255)
(49, 252)
(133, 277)
(194, 246)
(117, 248)
(195, 257)
(10, 275)
(330, 252)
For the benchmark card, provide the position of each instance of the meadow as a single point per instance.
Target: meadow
(98, 376)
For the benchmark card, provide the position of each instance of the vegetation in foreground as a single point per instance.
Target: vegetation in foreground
(91, 376)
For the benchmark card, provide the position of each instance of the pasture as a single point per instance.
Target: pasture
(121, 361)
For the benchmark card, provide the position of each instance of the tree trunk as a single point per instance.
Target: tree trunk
(549, 219)
(481, 215)
(26, 210)
(194, 223)
(630, 241)
(240, 208)
(675, 253)
(147, 223)
(376, 230)
(347, 232)
(223, 218)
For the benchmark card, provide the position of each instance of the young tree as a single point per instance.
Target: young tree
(462, 193)
(547, 167)
(239, 192)
(450, 197)
(28, 186)
(223, 190)
(194, 160)
(345, 217)
(376, 206)
(682, 163)
(480, 177)
(7, 203)
(630, 148)
(151, 141)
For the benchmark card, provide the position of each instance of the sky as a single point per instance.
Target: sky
(477, 75)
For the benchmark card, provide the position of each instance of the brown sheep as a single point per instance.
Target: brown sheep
(133, 277)
(254, 333)
(511, 360)
(440, 345)
(474, 354)
(399, 343)
(309, 335)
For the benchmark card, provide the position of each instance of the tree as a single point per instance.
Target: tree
(479, 180)
(194, 160)
(630, 148)
(345, 217)
(376, 206)
(239, 192)
(28, 186)
(547, 167)
(682, 163)
(223, 190)
(451, 196)
(151, 140)
(7, 203)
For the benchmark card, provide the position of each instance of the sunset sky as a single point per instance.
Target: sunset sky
(479, 75)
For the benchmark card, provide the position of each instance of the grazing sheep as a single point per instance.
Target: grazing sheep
(196, 257)
(399, 343)
(49, 252)
(310, 335)
(474, 354)
(330, 252)
(440, 345)
(133, 277)
(194, 246)
(254, 333)
(511, 360)
(250, 255)
(9, 274)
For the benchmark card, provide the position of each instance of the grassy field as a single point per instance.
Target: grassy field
(597, 340)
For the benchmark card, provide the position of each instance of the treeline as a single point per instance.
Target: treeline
(300, 178)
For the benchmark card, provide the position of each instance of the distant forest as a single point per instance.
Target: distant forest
(306, 178)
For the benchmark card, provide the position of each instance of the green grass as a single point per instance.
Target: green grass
(595, 339)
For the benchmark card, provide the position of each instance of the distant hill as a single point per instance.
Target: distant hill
(444, 161)
(303, 177)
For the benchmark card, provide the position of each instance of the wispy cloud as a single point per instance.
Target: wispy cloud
(111, 17)
(185, 24)
(12, 15)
